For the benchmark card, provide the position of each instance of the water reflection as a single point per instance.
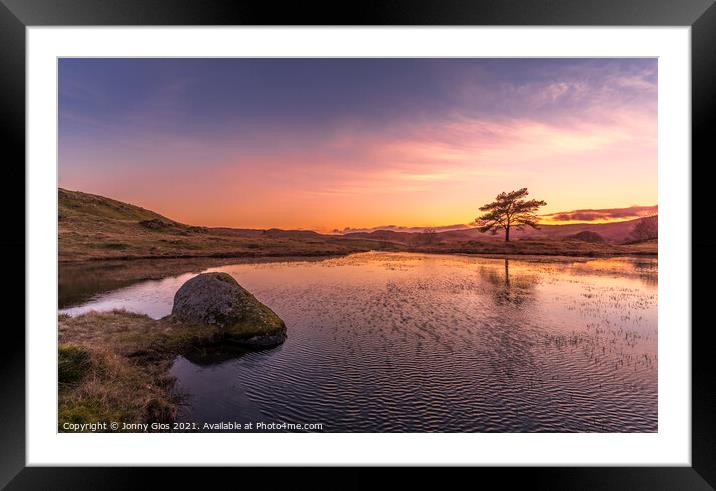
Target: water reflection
(83, 282)
(509, 290)
(212, 355)
(414, 342)
(648, 272)
(80, 282)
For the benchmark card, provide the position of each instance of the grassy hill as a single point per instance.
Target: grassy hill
(74, 204)
(95, 227)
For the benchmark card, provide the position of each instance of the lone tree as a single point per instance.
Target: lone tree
(507, 211)
(428, 236)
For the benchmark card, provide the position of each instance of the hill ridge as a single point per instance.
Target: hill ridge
(92, 226)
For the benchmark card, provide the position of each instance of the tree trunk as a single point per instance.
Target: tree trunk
(507, 273)
(507, 234)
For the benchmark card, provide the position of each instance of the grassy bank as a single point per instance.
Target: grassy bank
(545, 248)
(114, 366)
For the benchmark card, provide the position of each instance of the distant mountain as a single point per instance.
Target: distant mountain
(95, 227)
(610, 232)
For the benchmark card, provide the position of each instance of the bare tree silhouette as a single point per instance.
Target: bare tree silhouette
(507, 211)
(646, 228)
(429, 236)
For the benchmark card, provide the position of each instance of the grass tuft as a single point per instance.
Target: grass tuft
(73, 364)
(114, 366)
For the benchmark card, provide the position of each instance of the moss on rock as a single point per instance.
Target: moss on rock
(114, 366)
(216, 300)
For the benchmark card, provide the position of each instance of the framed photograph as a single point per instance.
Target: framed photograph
(425, 235)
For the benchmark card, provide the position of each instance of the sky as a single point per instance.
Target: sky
(329, 144)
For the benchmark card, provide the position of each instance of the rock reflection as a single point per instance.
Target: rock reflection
(384, 342)
(213, 356)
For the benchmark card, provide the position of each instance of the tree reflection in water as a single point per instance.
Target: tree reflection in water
(509, 289)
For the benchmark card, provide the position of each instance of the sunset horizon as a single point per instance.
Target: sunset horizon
(336, 144)
(362, 245)
(569, 217)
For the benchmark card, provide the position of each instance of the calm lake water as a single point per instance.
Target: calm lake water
(411, 342)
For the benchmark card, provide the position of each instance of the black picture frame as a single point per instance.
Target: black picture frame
(16, 15)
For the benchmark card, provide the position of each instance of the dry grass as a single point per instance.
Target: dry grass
(111, 387)
(131, 334)
(113, 366)
(94, 227)
(543, 248)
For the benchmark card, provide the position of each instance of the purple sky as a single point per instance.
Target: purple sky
(334, 143)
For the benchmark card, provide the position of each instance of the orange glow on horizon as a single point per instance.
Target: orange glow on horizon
(582, 138)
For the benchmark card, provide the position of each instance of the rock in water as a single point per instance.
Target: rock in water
(217, 300)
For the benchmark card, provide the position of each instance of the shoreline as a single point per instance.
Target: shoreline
(240, 255)
(129, 356)
(107, 359)
(80, 280)
(299, 256)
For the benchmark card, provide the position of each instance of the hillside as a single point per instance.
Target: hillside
(616, 232)
(77, 204)
(94, 227)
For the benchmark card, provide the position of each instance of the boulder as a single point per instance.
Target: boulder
(216, 300)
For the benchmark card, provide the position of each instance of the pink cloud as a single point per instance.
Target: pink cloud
(603, 215)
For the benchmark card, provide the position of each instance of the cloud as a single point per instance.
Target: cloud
(286, 144)
(450, 151)
(586, 215)
(603, 215)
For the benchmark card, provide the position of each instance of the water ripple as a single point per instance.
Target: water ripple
(409, 342)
